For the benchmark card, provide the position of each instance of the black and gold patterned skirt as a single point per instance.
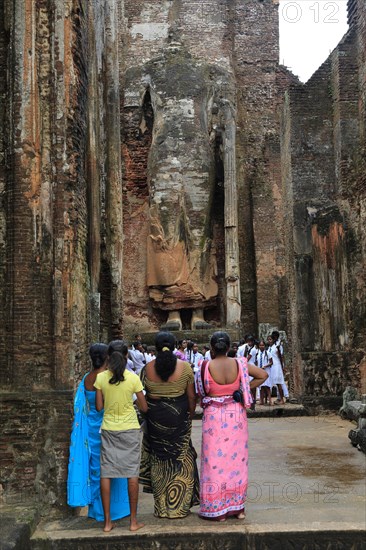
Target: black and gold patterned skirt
(168, 459)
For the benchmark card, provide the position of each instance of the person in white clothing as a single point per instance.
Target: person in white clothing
(145, 352)
(250, 352)
(129, 365)
(245, 350)
(136, 354)
(197, 358)
(242, 347)
(207, 354)
(276, 350)
(276, 336)
(152, 353)
(263, 360)
(194, 356)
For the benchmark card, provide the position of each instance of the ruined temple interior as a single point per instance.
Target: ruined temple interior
(158, 162)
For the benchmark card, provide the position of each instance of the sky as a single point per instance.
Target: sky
(309, 31)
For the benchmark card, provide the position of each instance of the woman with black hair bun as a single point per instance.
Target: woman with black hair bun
(168, 462)
(224, 387)
(121, 434)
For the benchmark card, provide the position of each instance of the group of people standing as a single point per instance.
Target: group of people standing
(268, 356)
(165, 392)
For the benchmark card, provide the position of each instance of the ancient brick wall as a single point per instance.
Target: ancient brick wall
(256, 67)
(354, 177)
(62, 206)
(60, 260)
(4, 39)
(35, 447)
(323, 176)
(361, 55)
(45, 203)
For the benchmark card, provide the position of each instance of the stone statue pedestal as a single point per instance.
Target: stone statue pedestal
(198, 336)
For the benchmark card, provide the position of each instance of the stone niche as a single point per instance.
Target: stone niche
(196, 116)
(187, 129)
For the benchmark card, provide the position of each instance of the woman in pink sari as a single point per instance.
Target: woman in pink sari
(224, 387)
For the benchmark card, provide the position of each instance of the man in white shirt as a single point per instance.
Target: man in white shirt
(196, 358)
(248, 348)
(136, 354)
(207, 353)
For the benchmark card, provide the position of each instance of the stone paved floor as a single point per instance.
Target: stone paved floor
(304, 475)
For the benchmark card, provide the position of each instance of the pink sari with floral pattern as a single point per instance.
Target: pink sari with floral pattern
(224, 455)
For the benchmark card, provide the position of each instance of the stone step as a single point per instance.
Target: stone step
(200, 336)
(208, 536)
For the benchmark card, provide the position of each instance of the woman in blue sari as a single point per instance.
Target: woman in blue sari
(83, 486)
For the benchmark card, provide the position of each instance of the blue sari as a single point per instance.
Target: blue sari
(83, 485)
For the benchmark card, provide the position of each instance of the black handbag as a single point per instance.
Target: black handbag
(238, 396)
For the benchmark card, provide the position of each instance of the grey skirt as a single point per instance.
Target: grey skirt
(120, 453)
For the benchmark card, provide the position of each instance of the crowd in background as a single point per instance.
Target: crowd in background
(267, 354)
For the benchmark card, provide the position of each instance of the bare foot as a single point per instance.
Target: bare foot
(135, 526)
(241, 515)
(222, 519)
(108, 527)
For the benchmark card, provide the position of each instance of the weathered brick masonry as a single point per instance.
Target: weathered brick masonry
(323, 166)
(35, 446)
(60, 180)
(83, 86)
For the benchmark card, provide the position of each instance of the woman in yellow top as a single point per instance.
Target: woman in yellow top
(168, 462)
(120, 430)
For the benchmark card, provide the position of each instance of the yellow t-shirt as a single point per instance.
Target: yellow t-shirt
(119, 412)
